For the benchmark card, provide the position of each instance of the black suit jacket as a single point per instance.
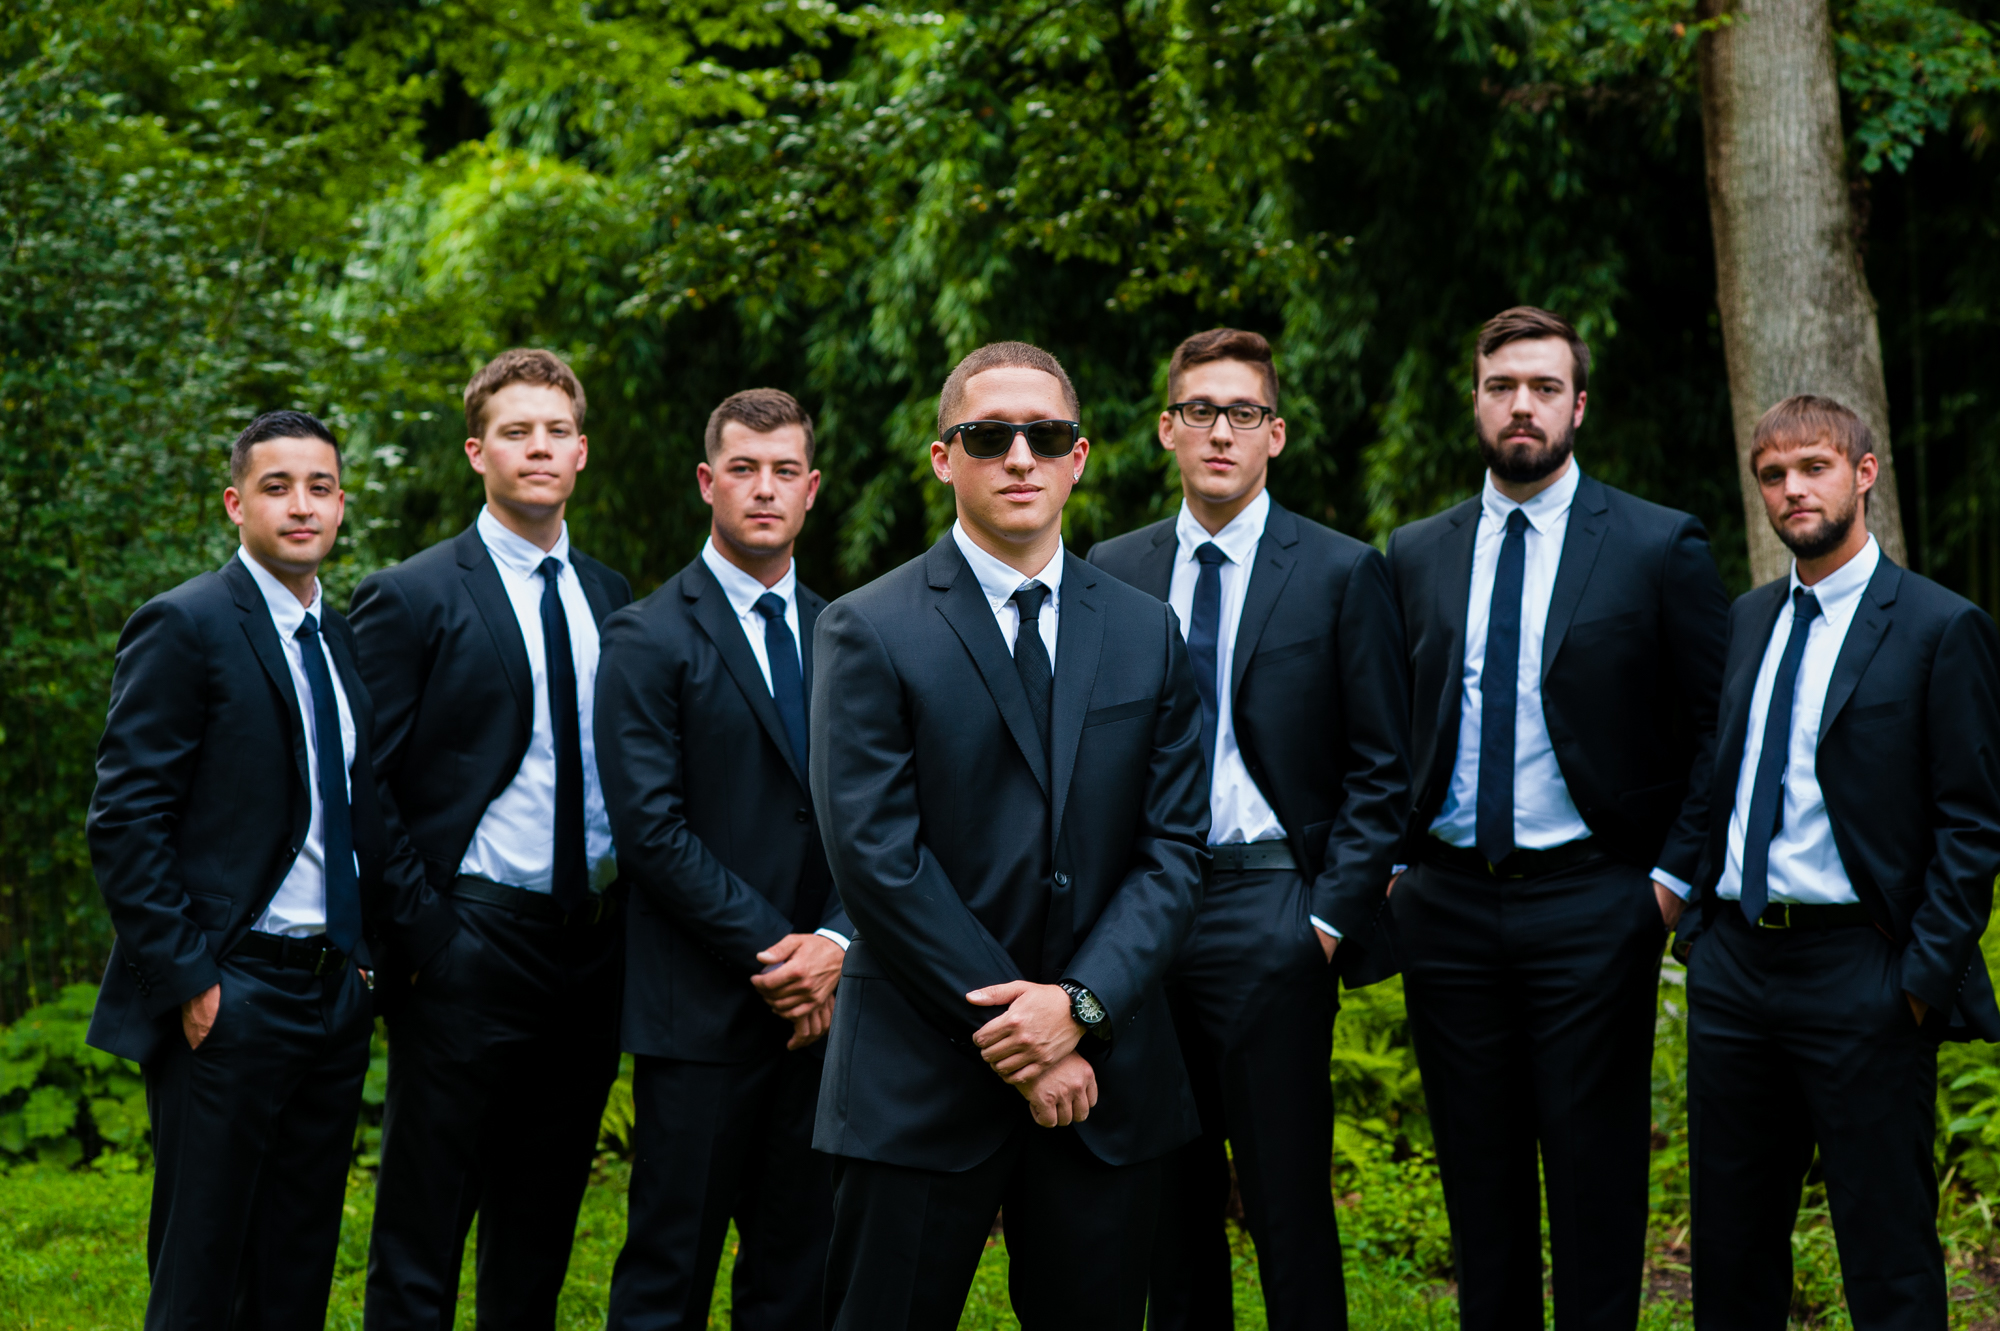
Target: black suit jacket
(1320, 697)
(454, 695)
(1631, 667)
(712, 816)
(1909, 763)
(966, 857)
(202, 804)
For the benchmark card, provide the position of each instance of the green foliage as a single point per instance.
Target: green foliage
(62, 1101)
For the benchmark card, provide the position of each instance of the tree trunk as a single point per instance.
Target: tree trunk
(1797, 316)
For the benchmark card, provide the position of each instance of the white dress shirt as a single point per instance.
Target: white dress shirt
(743, 592)
(299, 908)
(1238, 813)
(1804, 867)
(999, 581)
(515, 840)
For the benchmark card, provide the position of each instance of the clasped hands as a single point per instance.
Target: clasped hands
(797, 982)
(1032, 1046)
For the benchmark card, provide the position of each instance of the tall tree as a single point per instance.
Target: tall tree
(1797, 315)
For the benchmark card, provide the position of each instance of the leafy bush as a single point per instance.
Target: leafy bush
(62, 1102)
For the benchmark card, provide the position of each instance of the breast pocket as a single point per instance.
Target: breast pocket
(1137, 709)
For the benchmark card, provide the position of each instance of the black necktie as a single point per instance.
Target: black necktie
(1499, 690)
(1031, 659)
(1767, 792)
(570, 874)
(336, 824)
(788, 687)
(1204, 635)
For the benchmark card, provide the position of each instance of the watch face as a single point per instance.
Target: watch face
(1088, 1010)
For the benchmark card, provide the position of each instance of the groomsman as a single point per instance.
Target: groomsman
(1847, 878)
(238, 837)
(482, 656)
(1006, 763)
(1565, 644)
(736, 940)
(1293, 633)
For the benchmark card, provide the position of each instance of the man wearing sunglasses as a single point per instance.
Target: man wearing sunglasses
(1295, 640)
(1007, 769)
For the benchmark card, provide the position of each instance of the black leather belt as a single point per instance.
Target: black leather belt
(601, 907)
(1520, 864)
(1242, 857)
(1783, 915)
(312, 954)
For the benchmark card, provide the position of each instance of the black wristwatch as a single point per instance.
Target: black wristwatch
(1089, 1013)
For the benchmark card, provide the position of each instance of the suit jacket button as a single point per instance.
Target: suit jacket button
(800, 815)
(1062, 879)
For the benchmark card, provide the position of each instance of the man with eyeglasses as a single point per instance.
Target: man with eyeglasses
(1006, 764)
(1295, 640)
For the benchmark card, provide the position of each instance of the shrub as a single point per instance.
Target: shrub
(62, 1102)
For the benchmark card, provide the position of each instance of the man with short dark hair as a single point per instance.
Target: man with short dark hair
(1293, 632)
(238, 837)
(737, 936)
(1565, 649)
(1853, 839)
(482, 655)
(1006, 764)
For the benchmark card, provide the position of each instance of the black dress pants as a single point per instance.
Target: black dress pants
(498, 1071)
(1253, 999)
(906, 1242)
(1802, 1038)
(252, 1136)
(714, 1141)
(1531, 1005)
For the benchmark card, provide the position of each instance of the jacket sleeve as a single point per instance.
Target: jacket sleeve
(864, 784)
(639, 761)
(1375, 809)
(145, 767)
(1124, 958)
(1962, 733)
(1695, 623)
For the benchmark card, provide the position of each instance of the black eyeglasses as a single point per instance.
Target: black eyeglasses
(1201, 415)
(992, 439)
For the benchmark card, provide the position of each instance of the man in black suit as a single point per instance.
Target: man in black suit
(1565, 646)
(1293, 633)
(238, 837)
(1853, 839)
(1007, 769)
(481, 653)
(736, 939)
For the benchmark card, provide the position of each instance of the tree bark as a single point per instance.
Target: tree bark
(1797, 315)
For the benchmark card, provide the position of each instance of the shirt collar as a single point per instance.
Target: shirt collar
(1543, 509)
(743, 590)
(1237, 539)
(1839, 591)
(517, 554)
(286, 612)
(999, 581)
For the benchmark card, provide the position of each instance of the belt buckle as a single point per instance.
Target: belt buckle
(1783, 906)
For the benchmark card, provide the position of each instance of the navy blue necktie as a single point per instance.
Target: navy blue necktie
(1767, 792)
(336, 822)
(570, 873)
(788, 686)
(1499, 693)
(1204, 638)
(1031, 659)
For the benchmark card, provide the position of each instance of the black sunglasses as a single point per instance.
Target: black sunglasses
(992, 439)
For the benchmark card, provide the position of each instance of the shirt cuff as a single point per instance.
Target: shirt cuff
(1324, 927)
(839, 939)
(1396, 870)
(1677, 886)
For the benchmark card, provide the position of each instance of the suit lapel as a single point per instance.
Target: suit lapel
(593, 587)
(965, 608)
(1079, 643)
(1454, 594)
(1864, 635)
(1156, 570)
(1581, 542)
(489, 597)
(263, 635)
(809, 607)
(1270, 568)
(717, 618)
